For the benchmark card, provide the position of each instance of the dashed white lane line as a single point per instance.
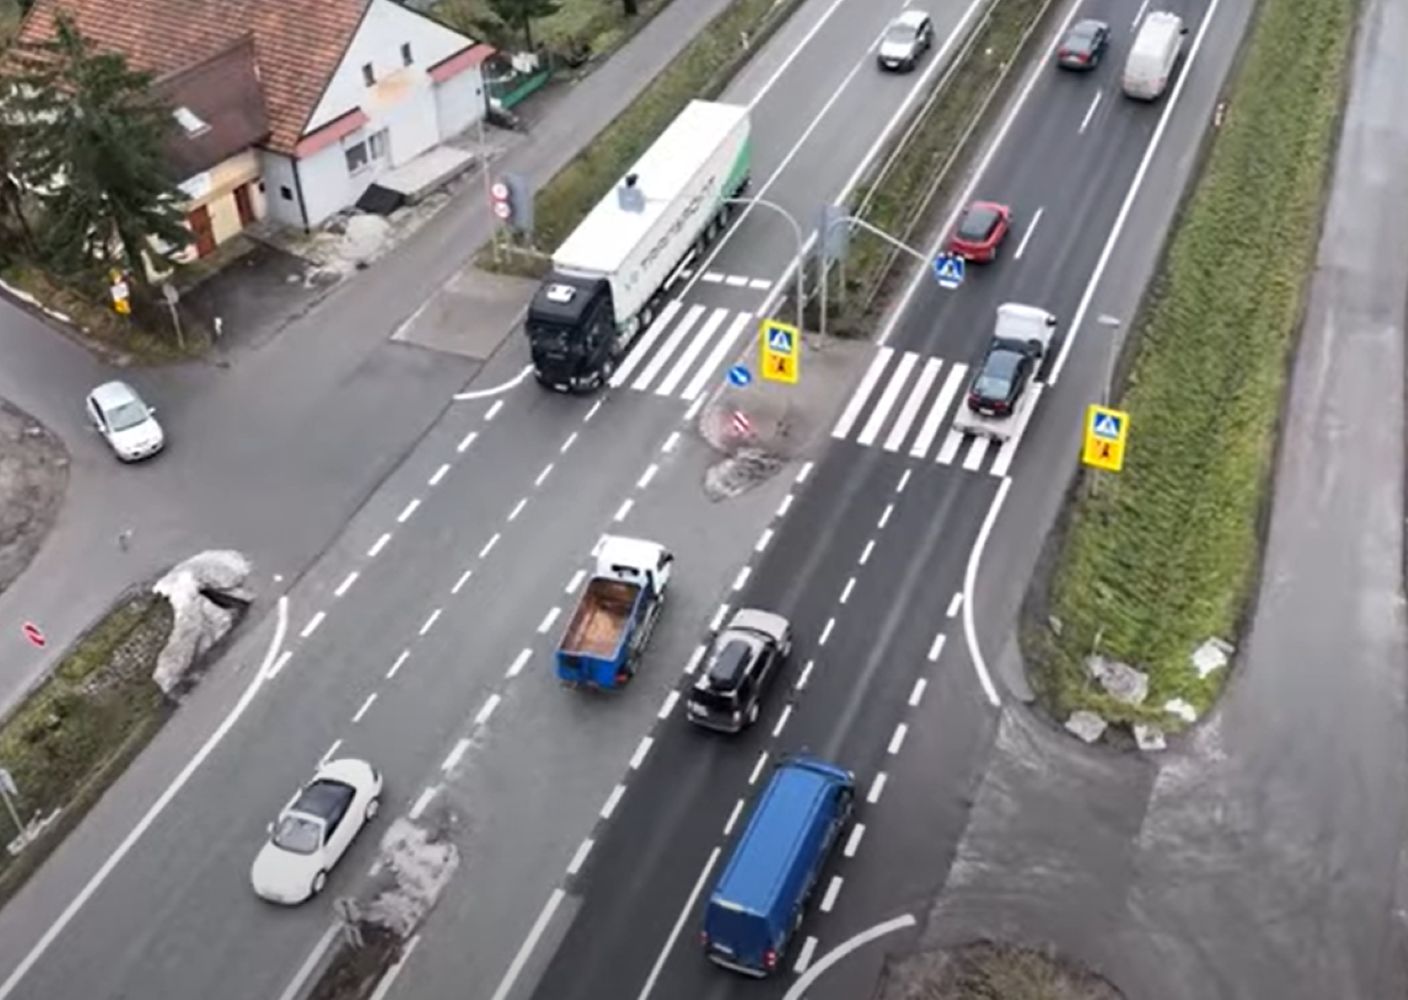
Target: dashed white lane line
(378, 545)
(869, 548)
(1089, 114)
(464, 578)
(876, 788)
(833, 889)
(366, 707)
(885, 517)
(1031, 228)
(955, 603)
(440, 474)
(804, 957)
(742, 577)
(733, 817)
(804, 472)
(782, 721)
(647, 476)
(346, 584)
(758, 768)
(487, 709)
(571, 440)
(670, 442)
(312, 625)
(516, 667)
(826, 631)
(400, 662)
(897, 740)
(580, 857)
(759, 284)
(489, 545)
(736, 280)
(763, 540)
(612, 801)
(717, 622)
(694, 658)
(853, 841)
(592, 412)
(694, 408)
(575, 582)
(938, 646)
(846, 593)
(430, 622)
(805, 675)
(669, 704)
(280, 663)
(918, 692)
(466, 441)
(712, 277)
(785, 506)
(624, 509)
(518, 508)
(642, 748)
(423, 802)
(547, 621)
(904, 481)
(455, 756)
(494, 410)
(547, 471)
(407, 511)
(327, 754)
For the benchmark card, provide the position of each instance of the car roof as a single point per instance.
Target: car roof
(114, 393)
(911, 18)
(1002, 358)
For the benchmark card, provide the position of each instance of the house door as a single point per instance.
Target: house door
(243, 205)
(199, 221)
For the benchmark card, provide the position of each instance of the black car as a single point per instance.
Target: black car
(1083, 45)
(747, 657)
(1003, 375)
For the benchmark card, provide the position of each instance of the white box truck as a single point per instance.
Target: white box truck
(1153, 55)
(609, 276)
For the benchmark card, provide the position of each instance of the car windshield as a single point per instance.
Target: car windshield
(1082, 34)
(299, 834)
(900, 34)
(127, 415)
(996, 377)
(977, 223)
(552, 337)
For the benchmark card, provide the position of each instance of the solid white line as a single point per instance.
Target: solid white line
(583, 849)
(383, 988)
(804, 472)
(647, 476)
(575, 582)
(378, 545)
(456, 755)
(785, 506)
(670, 442)
(1138, 14)
(295, 986)
(937, 646)
(939, 410)
(718, 618)
(977, 451)
(327, 754)
(758, 768)
(742, 577)
(661, 357)
(712, 362)
(867, 385)
(464, 578)
(548, 619)
(624, 509)
(897, 740)
(466, 441)
(1031, 226)
(410, 509)
(486, 710)
(694, 658)
(826, 631)
(540, 925)
(955, 602)
(799, 988)
(430, 622)
(518, 508)
(547, 470)
(885, 516)
(869, 548)
(612, 801)
(846, 593)
(669, 704)
(970, 576)
(592, 412)
(519, 661)
(679, 925)
(642, 347)
(692, 352)
(804, 957)
(494, 410)
(763, 540)
(481, 393)
(782, 721)
(733, 817)
(904, 481)
(571, 439)
(312, 625)
(853, 841)
(440, 474)
(876, 787)
(366, 706)
(642, 748)
(280, 663)
(1090, 112)
(805, 675)
(346, 584)
(833, 890)
(918, 692)
(400, 661)
(1183, 76)
(489, 545)
(888, 398)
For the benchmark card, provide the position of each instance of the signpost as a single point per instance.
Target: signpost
(949, 270)
(1106, 432)
(781, 348)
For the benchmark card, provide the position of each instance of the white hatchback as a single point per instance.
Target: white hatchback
(126, 422)
(315, 829)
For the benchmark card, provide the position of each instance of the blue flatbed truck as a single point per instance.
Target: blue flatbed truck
(757, 904)
(609, 628)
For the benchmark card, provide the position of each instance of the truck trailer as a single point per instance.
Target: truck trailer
(608, 279)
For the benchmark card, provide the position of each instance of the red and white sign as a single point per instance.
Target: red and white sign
(742, 426)
(34, 635)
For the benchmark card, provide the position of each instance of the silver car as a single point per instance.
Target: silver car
(126, 422)
(907, 38)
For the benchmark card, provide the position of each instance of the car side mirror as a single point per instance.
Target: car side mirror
(1051, 321)
(1183, 31)
(151, 411)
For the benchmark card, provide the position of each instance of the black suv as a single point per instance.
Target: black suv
(746, 659)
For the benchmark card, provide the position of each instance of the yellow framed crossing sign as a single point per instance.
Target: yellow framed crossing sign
(780, 348)
(1106, 431)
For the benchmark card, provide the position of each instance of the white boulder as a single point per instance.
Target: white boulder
(1086, 725)
(1121, 681)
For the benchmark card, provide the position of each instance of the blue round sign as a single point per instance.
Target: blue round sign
(739, 375)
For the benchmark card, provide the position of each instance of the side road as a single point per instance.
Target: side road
(273, 454)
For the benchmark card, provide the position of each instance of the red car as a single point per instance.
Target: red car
(983, 227)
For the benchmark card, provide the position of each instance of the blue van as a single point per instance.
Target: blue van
(758, 901)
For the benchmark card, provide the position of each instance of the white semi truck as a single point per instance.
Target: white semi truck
(609, 276)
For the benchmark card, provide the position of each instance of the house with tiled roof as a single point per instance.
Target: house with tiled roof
(286, 108)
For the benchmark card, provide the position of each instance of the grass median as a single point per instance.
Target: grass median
(76, 732)
(1165, 553)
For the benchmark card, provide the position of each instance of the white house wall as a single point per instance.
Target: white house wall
(280, 189)
(327, 187)
(459, 102)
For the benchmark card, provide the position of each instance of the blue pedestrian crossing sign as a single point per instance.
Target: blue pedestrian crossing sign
(1107, 425)
(781, 348)
(739, 375)
(1106, 431)
(948, 270)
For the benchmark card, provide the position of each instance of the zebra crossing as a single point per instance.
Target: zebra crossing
(681, 352)
(934, 392)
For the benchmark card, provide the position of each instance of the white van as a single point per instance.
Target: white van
(1153, 55)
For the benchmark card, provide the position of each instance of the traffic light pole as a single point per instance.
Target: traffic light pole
(801, 248)
(826, 263)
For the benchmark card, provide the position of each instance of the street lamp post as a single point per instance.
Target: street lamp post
(852, 220)
(796, 232)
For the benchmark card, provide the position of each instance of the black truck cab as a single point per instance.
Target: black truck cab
(572, 335)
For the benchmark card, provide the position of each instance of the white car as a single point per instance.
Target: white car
(127, 423)
(907, 38)
(315, 829)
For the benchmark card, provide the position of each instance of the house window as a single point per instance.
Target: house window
(191, 123)
(285, 192)
(406, 54)
(368, 74)
(356, 157)
(378, 144)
